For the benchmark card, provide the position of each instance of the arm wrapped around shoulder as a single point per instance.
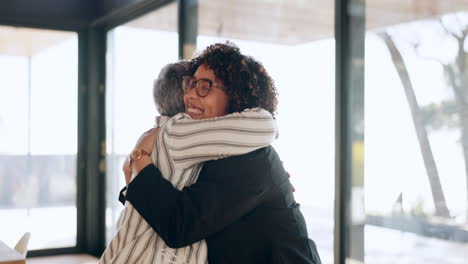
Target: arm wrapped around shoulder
(192, 141)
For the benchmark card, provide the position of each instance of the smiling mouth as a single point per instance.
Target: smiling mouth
(192, 110)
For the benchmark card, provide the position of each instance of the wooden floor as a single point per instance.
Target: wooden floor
(64, 259)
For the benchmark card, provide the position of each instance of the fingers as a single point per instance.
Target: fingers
(124, 164)
(289, 176)
(127, 170)
(151, 130)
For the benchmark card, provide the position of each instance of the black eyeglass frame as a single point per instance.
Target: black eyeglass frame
(198, 88)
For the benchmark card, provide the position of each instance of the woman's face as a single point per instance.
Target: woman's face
(215, 104)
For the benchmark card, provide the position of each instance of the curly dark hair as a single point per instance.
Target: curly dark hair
(245, 80)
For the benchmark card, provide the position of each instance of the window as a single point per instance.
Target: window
(416, 132)
(295, 42)
(136, 53)
(38, 136)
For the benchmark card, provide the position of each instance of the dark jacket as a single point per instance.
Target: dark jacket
(243, 207)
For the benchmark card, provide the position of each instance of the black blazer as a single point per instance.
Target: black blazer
(243, 206)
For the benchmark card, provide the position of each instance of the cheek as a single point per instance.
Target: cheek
(214, 105)
(223, 104)
(226, 104)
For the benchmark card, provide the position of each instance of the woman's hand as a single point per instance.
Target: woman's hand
(146, 143)
(127, 170)
(289, 176)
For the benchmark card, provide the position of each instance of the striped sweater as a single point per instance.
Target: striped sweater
(181, 146)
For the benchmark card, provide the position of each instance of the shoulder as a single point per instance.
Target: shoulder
(254, 113)
(179, 117)
(163, 121)
(248, 173)
(259, 154)
(261, 160)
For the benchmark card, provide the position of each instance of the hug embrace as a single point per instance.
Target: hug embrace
(205, 185)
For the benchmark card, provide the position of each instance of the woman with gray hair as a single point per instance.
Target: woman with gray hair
(181, 147)
(167, 89)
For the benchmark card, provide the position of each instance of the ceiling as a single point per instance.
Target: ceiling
(293, 21)
(287, 22)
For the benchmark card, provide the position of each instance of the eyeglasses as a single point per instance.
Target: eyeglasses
(202, 86)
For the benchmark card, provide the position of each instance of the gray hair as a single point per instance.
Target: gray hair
(167, 89)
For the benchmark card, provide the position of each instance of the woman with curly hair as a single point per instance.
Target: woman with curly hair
(181, 146)
(243, 206)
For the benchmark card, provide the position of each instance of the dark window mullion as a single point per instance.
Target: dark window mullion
(349, 169)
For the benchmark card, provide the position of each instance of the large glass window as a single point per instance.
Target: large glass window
(136, 53)
(295, 42)
(38, 136)
(416, 132)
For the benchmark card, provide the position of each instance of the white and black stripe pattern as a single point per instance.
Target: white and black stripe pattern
(181, 147)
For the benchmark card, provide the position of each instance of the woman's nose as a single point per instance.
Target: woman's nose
(192, 93)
